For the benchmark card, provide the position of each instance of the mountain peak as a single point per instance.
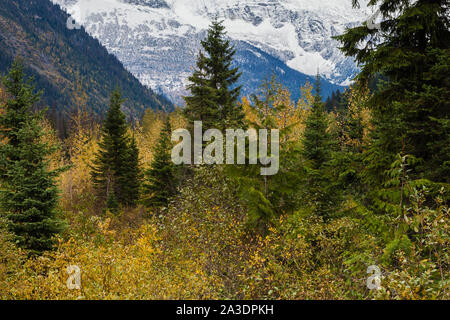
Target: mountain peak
(157, 40)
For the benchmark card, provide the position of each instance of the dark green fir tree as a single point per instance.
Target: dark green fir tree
(201, 105)
(115, 169)
(214, 92)
(317, 140)
(160, 179)
(29, 193)
(131, 181)
(411, 50)
(317, 146)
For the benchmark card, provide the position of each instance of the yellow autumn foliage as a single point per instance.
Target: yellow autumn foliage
(288, 114)
(200, 246)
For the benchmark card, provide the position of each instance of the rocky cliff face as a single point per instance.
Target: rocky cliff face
(157, 40)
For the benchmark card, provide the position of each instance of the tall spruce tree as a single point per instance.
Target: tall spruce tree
(29, 193)
(317, 145)
(115, 170)
(160, 184)
(201, 105)
(214, 93)
(131, 181)
(316, 139)
(411, 49)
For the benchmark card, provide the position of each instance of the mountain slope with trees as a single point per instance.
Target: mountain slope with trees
(67, 63)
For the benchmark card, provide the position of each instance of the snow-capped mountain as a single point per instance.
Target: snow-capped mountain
(157, 40)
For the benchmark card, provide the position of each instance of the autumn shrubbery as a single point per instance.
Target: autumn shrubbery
(200, 247)
(203, 244)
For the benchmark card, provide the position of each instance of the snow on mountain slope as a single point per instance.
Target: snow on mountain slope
(297, 31)
(157, 40)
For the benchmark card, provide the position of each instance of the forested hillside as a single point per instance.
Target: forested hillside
(67, 64)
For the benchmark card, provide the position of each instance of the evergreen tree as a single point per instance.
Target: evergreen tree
(317, 145)
(269, 196)
(316, 139)
(214, 93)
(255, 189)
(115, 169)
(131, 181)
(160, 183)
(201, 105)
(29, 195)
(411, 50)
